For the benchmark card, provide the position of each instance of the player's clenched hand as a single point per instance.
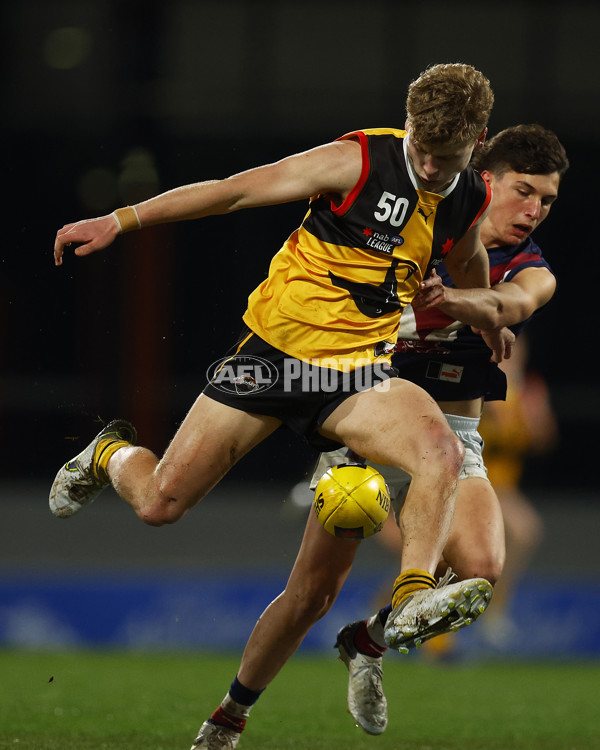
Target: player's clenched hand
(431, 292)
(88, 236)
(500, 341)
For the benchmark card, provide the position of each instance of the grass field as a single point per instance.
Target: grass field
(133, 701)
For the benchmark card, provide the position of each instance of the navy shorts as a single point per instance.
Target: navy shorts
(453, 377)
(259, 379)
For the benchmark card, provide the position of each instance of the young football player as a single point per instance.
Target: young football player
(524, 166)
(386, 206)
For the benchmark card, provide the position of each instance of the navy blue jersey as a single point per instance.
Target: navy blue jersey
(444, 356)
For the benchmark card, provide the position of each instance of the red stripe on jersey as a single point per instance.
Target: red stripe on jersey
(430, 320)
(486, 203)
(366, 166)
(521, 261)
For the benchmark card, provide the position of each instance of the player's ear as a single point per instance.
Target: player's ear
(487, 176)
(481, 139)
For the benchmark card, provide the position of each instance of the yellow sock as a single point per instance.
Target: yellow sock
(409, 581)
(104, 451)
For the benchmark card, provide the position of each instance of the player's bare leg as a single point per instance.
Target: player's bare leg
(321, 567)
(211, 439)
(319, 572)
(475, 547)
(324, 561)
(523, 530)
(419, 441)
(398, 424)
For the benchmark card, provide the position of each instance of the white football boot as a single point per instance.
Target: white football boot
(216, 737)
(77, 482)
(366, 700)
(430, 612)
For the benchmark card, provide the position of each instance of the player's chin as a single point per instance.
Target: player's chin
(518, 235)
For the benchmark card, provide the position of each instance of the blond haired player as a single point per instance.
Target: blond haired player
(386, 205)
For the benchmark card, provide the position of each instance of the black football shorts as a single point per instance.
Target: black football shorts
(259, 379)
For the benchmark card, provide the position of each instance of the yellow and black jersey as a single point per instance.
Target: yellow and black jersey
(338, 285)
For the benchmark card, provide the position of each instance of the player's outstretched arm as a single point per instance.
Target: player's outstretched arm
(333, 168)
(504, 304)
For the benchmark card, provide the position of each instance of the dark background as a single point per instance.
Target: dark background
(107, 103)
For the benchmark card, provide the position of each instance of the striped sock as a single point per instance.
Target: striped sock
(365, 643)
(103, 453)
(241, 694)
(226, 719)
(235, 707)
(409, 581)
(376, 627)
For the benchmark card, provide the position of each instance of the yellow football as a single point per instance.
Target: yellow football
(352, 501)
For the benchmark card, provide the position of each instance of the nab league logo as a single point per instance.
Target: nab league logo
(383, 243)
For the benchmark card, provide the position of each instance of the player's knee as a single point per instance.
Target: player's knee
(165, 506)
(317, 604)
(481, 564)
(164, 511)
(489, 568)
(311, 604)
(151, 519)
(444, 451)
